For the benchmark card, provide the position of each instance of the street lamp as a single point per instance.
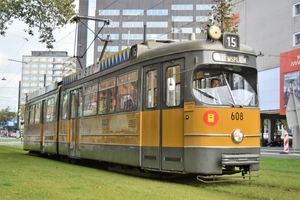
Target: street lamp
(18, 111)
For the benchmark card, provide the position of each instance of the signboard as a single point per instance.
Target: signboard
(289, 77)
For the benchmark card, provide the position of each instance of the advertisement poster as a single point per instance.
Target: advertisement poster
(291, 83)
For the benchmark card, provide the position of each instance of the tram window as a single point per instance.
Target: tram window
(31, 114)
(234, 89)
(151, 87)
(102, 102)
(50, 110)
(127, 91)
(107, 94)
(64, 106)
(79, 103)
(73, 104)
(90, 100)
(26, 117)
(173, 93)
(37, 113)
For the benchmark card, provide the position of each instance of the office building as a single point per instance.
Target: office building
(42, 68)
(272, 28)
(163, 20)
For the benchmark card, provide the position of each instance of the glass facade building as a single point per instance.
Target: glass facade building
(162, 19)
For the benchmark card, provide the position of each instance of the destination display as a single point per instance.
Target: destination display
(233, 58)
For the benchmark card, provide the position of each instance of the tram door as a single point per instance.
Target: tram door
(151, 123)
(162, 125)
(75, 114)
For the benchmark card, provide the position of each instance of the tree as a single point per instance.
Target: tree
(222, 16)
(5, 115)
(45, 15)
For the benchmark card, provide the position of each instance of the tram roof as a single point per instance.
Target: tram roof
(149, 50)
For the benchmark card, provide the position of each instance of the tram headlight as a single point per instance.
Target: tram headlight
(214, 32)
(237, 136)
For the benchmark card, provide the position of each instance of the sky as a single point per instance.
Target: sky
(17, 43)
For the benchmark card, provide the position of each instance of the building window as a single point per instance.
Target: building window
(182, 18)
(296, 39)
(133, 12)
(157, 24)
(157, 36)
(159, 12)
(108, 48)
(182, 7)
(58, 59)
(132, 36)
(203, 6)
(296, 9)
(203, 18)
(111, 36)
(183, 30)
(109, 12)
(111, 25)
(132, 24)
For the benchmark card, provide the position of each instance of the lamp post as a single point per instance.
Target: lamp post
(18, 111)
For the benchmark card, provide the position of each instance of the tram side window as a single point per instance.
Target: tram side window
(127, 91)
(90, 99)
(26, 117)
(79, 103)
(31, 114)
(50, 110)
(73, 105)
(151, 87)
(64, 106)
(173, 86)
(107, 93)
(37, 113)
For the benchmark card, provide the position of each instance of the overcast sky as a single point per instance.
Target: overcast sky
(17, 43)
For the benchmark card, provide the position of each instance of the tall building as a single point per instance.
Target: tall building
(42, 68)
(159, 20)
(272, 28)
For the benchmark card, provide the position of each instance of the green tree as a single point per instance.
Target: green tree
(45, 15)
(5, 115)
(222, 16)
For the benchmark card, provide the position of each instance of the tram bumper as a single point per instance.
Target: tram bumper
(242, 159)
(213, 161)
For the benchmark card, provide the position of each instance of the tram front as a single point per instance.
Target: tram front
(222, 117)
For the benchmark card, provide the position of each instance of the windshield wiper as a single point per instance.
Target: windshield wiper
(212, 97)
(205, 94)
(242, 104)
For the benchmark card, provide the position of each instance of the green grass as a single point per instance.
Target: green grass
(6, 139)
(29, 177)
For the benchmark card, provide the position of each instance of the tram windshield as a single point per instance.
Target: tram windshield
(223, 88)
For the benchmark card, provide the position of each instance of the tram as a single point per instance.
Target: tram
(151, 107)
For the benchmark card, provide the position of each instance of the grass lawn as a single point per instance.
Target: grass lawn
(31, 177)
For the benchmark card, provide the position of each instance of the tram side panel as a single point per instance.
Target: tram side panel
(32, 137)
(112, 138)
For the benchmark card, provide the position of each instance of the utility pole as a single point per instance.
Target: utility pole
(18, 111)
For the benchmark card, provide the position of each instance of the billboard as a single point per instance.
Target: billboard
(289, 77)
